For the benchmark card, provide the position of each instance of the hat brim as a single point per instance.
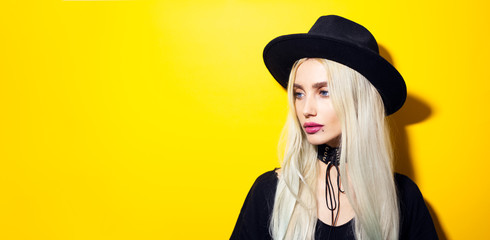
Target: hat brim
(281, 53)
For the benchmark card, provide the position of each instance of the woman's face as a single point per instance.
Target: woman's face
(314, 106)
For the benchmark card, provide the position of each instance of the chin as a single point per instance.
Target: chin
(319, 140)
(316, 141)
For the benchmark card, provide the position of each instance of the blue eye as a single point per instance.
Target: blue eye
(297, 95)
(325, 93)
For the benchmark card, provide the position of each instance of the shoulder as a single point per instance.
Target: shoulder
(266, 184)
(409, 194)
(268, 176)
(263, 190)
(254, 216)
(416, 221)
(405, 185)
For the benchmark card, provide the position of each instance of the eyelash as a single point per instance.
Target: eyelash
(327, 93)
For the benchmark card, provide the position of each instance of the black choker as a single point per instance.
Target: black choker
(328, 154)
(331, 157)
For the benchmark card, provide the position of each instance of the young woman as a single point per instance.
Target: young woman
(336, 180)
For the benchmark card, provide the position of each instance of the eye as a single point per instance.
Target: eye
(325, 93)
(298, 94)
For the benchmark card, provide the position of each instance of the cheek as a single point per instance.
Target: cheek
(336, 123)
(330, 115)
(298, 110)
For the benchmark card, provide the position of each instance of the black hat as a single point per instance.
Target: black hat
(341, 40)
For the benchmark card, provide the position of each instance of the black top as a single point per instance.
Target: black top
(253, 221)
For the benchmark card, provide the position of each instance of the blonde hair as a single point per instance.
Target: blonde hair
(365, 145)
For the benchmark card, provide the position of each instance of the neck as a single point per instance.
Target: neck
(328, 154)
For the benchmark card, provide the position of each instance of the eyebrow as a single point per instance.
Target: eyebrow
(316, 85)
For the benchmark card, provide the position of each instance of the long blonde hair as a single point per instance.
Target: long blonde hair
(365, 145)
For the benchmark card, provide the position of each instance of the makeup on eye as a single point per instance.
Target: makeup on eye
(296, 94)
(323, 92)
(326, 93)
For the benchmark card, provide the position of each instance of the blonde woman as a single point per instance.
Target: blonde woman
(336, 180)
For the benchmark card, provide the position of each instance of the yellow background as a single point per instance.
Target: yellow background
(152, 119)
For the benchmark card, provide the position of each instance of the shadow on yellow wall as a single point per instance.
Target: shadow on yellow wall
(413, 111)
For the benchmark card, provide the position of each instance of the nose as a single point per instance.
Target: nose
(309, 107)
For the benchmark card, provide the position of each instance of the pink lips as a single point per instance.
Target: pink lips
(312, 127)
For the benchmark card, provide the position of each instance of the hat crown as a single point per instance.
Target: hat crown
(339, 28)
(343, 41)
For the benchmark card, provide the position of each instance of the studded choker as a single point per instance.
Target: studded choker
(331, 157)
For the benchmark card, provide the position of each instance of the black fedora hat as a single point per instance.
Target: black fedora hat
(344, 41)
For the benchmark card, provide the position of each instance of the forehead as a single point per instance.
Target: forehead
(309, 73)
